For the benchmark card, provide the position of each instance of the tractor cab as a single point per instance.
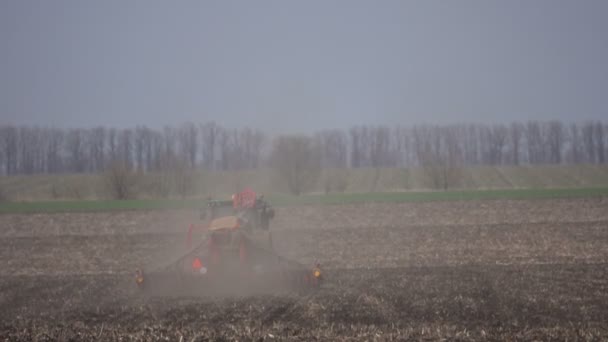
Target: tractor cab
(253, 210)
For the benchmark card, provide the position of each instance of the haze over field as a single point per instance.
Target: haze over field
(303, 170)
(301, 66)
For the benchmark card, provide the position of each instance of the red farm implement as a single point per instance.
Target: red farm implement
(230, 257)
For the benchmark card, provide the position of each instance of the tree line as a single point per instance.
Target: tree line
(210, 146)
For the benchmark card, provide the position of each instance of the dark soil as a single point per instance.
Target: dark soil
(543, 276)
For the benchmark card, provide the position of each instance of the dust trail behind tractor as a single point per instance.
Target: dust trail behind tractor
(232, 259)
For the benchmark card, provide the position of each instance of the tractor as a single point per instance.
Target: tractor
(229, 257)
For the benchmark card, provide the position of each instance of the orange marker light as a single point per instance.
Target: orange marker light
(139, 278)
(197, 264)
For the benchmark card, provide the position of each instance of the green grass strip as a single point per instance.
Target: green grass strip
(96, 205)
(439, 196)
(286, 200)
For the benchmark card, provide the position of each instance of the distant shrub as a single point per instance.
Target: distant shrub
(119, 180)
(297, 162)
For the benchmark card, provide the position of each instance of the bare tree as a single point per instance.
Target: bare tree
(297, 161)
(119, 180)
(356, 148)
(75, 146)
(555, 137)
(32, 149)
(534, 142)
(255, 143)
(421, 142)
(236, 151)
(125, 143)
(112, 144)
(599, 141)
(96, 144)
(2, 152)
(516, 136)
(224, 147)
(163, 177)
(53, 151)
(170, 140)
(209, 133)
(141, 142)
(154, 150)
(497, 139)
(10, 138)
(440, 155)
(575, 152)
(334, 145)
(470, 144)
(380, 154)
(605, 143)
(188, 143)
(25, 151)
(403, 146)
(183, 176)
(589, 142)
(252, 142)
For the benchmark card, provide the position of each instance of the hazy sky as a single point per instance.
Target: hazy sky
(299, 66)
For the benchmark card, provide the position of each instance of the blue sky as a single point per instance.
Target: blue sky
(301, 65)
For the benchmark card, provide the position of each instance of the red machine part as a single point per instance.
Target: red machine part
(244, 199)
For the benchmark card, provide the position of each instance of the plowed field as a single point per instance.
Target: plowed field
(469, 270)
